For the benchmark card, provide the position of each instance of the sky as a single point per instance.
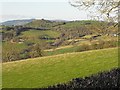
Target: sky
(40, 9)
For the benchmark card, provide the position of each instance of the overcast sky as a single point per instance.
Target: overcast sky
(47, 9)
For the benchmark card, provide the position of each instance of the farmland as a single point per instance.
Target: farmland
(50, 70)
(51, 35)
(45, 53)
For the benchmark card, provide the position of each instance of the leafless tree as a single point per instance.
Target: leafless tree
(99, 9)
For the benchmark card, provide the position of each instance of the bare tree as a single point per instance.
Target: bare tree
(99, 9)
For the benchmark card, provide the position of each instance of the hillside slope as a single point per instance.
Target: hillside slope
(53, 34)
(46, 71)
(17, 22)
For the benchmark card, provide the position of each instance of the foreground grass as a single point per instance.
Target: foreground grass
(45, 71)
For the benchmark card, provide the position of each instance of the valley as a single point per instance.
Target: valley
(43, 53)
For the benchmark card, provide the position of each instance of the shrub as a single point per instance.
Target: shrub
(83, 47)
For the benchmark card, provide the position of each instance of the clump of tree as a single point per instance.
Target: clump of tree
(11, 55)
(83, 47)
(16, 54)
(97, 45)
(35, 51)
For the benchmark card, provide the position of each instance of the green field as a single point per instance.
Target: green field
(37, 33)
(34, 35)
(50, 70)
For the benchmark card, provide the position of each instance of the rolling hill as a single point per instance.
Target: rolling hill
(17, 22)
(53, 34)
(50, 70)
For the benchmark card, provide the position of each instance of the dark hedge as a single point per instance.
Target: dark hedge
(108, 79)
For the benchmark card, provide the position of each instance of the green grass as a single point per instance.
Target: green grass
(37, 33)
(34, 35)
(39, 23)
(62, 51)
(43, 23)
(50, 70)
(80, 23)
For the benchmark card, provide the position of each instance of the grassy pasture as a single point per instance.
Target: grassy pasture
(37, 33)
(50, 70)
(34, 35)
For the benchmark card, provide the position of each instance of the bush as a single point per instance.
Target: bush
(83, 47)
(28, 43)
(35, 51)
(97, 45)
(24, 56)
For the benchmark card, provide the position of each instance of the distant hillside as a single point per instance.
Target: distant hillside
(58, 20)
(52, 34)
(44, 23)
(17, 22)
